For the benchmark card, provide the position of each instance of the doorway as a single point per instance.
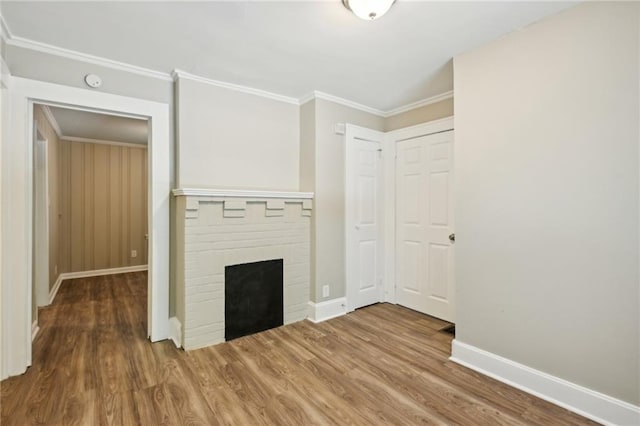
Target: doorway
(90, 182)
(399, 233)
(17, 221)
(364, 220)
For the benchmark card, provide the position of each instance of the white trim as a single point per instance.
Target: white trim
(179, 74)
(5, 31)
(101, 272)
(103, 142)
(419, 104)
(389, 158)
(326, 310)
(56, 286)
(175, 331)
(345, 102)
(240, 193)
(26, 43)
(586, 402)
(34, 330)
(52, 120)
(41, 209)
(384, 114)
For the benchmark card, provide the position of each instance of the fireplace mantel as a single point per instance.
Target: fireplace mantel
(241, 193)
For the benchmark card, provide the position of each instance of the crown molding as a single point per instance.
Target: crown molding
(103, 142)
(306, 98)
(385, 114)
(179, 74)
(5, 32)
(85, 57)
(347, 103)
(52, 120)
(418, 104)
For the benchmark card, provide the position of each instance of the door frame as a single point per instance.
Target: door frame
(356, 132)
(391, 140)
(41, 251)
(17, 204)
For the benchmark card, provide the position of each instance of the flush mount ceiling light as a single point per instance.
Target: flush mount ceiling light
(368, 9)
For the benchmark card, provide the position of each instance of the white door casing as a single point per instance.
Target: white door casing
(424, 221)
(41, 221)
(17, 214)
(363, 216)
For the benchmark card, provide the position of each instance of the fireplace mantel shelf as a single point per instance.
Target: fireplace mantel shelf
(241, 193)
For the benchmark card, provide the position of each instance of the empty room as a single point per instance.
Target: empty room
(320, 212)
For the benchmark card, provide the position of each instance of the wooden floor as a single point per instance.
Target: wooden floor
(379, 365)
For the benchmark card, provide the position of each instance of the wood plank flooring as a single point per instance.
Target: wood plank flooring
(383, 364)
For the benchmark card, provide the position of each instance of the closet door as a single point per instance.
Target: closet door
(424, 225)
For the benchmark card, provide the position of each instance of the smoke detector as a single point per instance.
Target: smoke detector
(93, 80)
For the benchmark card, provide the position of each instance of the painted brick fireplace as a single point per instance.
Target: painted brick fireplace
(219, 228)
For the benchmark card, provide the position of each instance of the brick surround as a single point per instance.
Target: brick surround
(214, 231)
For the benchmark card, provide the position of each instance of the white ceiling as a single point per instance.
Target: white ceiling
(100, 127)
(290, 48)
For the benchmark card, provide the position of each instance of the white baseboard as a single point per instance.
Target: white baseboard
(100, 272)
(586, 402)
(175, 331)
(95, 273)
(56, 287)
(34, 330)
(323, 311)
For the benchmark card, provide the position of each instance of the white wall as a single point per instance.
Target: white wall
(547, 159)
(230, 139)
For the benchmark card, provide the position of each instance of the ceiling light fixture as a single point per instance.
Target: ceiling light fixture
(368, 9)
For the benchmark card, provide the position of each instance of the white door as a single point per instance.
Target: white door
(424, 224)
(40, 223)
(363, 206)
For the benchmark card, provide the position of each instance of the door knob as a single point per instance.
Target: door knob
(452, 238)
(357, 227)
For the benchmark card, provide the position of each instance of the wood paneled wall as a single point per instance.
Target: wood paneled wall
(103, 205)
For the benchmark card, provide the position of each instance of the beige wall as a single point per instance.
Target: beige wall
(328, 226)
(229, 139)
(308, 175)
(103, 206)
(420, 115)
(308, 146)
(547, 192)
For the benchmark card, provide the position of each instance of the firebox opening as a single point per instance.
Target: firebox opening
(253, 297)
